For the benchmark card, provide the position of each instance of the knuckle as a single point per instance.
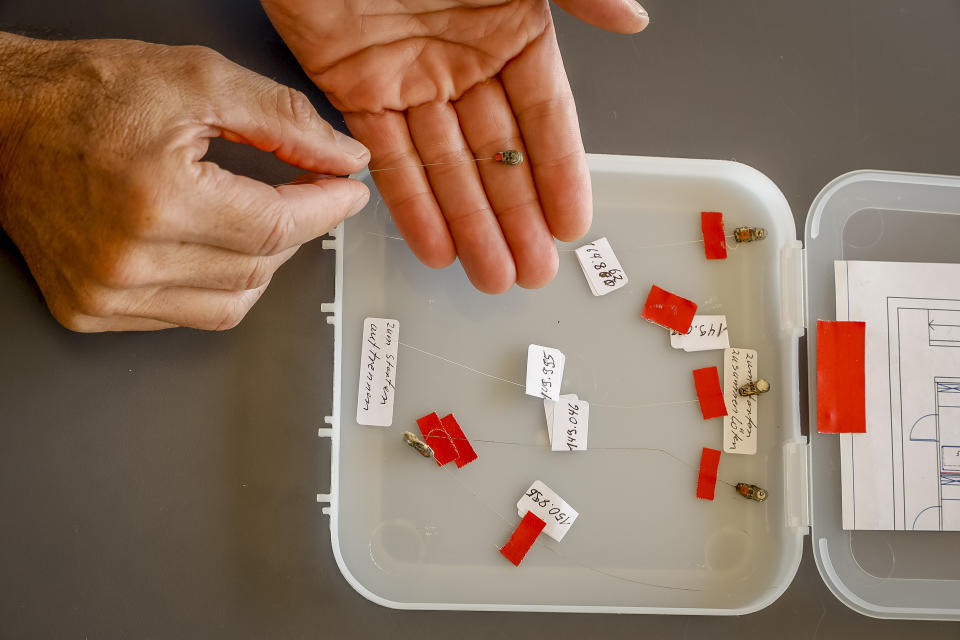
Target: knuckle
(295, 106)
(259, 275)
(68, 317)
(142, 215)
(77, 323)
(198, 58)
(233, 312)
(201, 66)
(279, 230)
(93, 300)
(120, 269)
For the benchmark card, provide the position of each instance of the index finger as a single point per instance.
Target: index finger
(539, 93)
(242, 214)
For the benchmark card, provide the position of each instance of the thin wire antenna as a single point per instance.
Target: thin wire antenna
(430, 164)
(411, 166)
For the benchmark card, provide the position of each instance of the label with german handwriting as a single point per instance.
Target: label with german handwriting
(378, 371)
(740, 423)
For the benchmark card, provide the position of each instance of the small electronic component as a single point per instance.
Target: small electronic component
(754, 388)
(749, 234)
(751, 491)
(510, 157)
(417, 444)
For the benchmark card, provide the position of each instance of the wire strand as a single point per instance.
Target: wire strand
(430, 164)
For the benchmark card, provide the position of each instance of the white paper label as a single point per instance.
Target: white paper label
(544, 371)
(378, 372)
(740, 423)
(549, 407)
(706, 333)
(570, 421)
(549, 507)
(601, 267)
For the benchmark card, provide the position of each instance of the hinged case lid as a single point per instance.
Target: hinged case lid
(876, 216)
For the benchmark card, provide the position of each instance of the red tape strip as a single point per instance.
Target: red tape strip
(669, 310)
(522, 539)
(841, 378)
(707, 479)
(714, 237)
(709, 392)
(465, 452)
(436, 436)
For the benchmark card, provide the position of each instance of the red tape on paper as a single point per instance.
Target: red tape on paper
(714, 237)
(436, 436)
(669, 310)
(707, 479)
(523, 538)
(709, 392)
(465, 452)
(841, 378)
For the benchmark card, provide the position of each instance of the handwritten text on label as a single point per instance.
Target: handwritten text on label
(544, 371)
(378, 372)
(550, 406)
(601, 267)
(706, 332)
(740, 425)
(570, 422)
(549, 507)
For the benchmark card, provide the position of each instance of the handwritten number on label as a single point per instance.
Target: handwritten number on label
(601, 267)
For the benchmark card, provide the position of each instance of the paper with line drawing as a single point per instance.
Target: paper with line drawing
(904, 473)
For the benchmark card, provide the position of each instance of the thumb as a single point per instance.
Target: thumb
(620, 16)
(255, 110)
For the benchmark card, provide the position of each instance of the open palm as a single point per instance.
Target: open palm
(444, 81)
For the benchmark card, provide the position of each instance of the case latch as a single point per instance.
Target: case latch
(792, 314)
(796, 500)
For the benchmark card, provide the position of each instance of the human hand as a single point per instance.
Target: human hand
(103, 187)
(447, 81)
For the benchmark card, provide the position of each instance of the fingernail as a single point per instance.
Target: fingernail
(642, 12)
(360, 203)
(351, 146)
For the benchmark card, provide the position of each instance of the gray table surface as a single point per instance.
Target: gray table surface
(163, 485)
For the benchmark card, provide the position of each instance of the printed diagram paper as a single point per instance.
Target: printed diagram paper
(904, 472)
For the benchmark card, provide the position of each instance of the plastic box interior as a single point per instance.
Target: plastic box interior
(409, 534)
(896, 217)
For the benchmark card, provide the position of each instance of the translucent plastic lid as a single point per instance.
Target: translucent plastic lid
(877, 216)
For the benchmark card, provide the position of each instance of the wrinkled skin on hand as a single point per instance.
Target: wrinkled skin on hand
(104, 190)
(442, 81)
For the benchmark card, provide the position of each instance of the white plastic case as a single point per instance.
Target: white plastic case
(408, 534)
